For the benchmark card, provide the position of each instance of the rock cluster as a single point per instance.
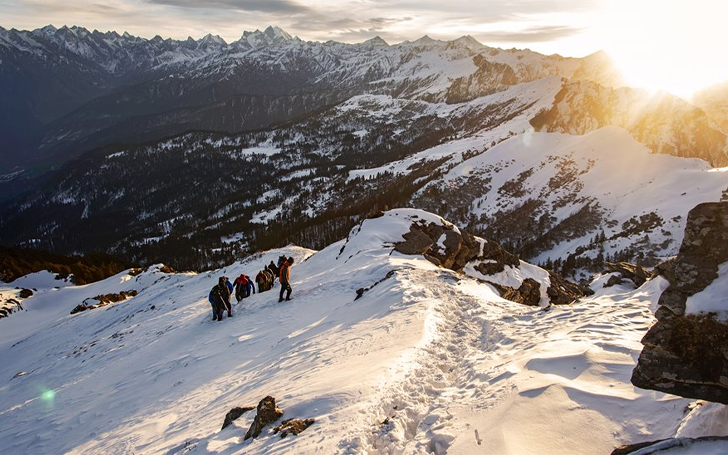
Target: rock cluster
(448, 247)
(266, 413)
(687, 355)
(104, 300)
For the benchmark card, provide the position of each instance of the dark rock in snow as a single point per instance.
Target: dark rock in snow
(79, 308)
(25, 293)
(613, 280)
(293, 426)
(687, 355)
(416, 242)
(528, 294)
(633, 272)
(563, 291)
(234, 414)
(267, 414)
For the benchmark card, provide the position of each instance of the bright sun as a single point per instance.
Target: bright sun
(677, 46)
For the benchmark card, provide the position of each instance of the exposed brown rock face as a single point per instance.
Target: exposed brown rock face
(447, 247)
(633, 272)
(528, 294)
(688, 355)
(293, 426)
(104, 300)
(267, 414)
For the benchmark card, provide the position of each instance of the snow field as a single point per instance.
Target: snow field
(451, 366)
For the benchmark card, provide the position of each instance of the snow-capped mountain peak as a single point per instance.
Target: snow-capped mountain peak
(272, 35)
(277, 33)
(376, 41)
(425, 41)
(469, 42)
(211, 39)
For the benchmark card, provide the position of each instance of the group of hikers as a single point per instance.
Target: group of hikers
(221, 293)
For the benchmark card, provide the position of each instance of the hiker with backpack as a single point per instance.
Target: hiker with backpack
(242, 287)
(220, 298)
(261, 279)
(285, 278)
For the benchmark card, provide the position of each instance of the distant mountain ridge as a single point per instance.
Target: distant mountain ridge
(69, 90)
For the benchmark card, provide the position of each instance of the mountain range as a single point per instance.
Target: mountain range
(196, 152)
(68, 90)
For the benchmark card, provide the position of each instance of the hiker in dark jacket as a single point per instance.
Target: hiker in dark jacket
(220, 294)
(249, 287)
(285, 278)
(260, 278)
(273, 268)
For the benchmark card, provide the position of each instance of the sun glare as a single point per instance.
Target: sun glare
(666, 44)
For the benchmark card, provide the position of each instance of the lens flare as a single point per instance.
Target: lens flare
(48, 396)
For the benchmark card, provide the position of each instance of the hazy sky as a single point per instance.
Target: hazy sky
(645, 36)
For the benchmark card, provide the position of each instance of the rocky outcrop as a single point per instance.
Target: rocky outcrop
(563, 292)
(103, 300)
(267, 414)
(630, 271)
(293, 426)
(529, 293)
(704, 248)
(687, 355)
(451, 248)
(664, 123)
(665, 446)
(235, 414)
(489, 78)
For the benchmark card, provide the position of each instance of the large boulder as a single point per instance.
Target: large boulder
(687, 354)
(633, 272)
(267, 414)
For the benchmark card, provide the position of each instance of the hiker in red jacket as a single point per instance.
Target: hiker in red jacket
(284, 276)
(243, 287)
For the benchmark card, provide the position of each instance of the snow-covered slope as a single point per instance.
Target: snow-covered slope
(425, 361)
(551, 195)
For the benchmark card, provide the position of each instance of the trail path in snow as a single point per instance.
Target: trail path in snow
(481, 354)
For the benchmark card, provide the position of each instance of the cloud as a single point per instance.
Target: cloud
(531, 34)
(261, 6)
